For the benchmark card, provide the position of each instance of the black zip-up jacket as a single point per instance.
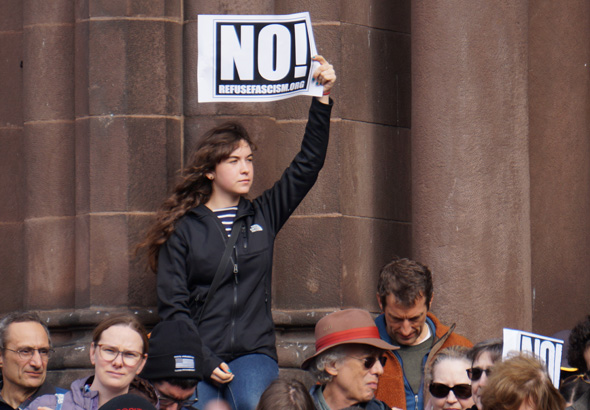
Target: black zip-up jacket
(237, 321)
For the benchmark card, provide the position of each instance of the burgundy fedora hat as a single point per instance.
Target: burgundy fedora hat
(346, 327)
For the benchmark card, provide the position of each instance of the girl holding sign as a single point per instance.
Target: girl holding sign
(212, 249)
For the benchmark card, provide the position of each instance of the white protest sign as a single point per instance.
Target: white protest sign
(547, 349)
(256, 58)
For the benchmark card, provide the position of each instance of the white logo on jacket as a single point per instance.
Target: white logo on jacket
(256, 228)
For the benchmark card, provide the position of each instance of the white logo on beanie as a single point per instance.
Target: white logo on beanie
(184, 363)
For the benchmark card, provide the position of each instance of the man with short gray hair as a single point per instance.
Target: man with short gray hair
(25, 348)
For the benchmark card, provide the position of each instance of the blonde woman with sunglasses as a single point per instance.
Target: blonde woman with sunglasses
(447, 385)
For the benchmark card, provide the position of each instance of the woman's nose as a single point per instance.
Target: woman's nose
(118, 361)
(451, 397)
(245, 168)
(483, 380)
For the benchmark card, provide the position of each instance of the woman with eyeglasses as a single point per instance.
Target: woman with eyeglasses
(118, 352)
(483, 356)
(447, 380)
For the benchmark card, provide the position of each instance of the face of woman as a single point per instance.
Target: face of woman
(483, 362)
(451, 372)
(115, 358)
(233, 176)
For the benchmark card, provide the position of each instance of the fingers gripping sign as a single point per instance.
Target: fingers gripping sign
(325, 76)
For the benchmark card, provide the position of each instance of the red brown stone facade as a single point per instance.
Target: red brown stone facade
(460, 137)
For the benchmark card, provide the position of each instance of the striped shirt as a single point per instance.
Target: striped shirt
(227, 217)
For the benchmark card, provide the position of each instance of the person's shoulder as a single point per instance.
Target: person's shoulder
(375, 404)
(48, 388)
(44, 396)
(44, 400)
(192, 222)
(193, 214)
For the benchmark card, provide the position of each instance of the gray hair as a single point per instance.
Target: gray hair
(331, 356)
(19, 317)
(491, 346)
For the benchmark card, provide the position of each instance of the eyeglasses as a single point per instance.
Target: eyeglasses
(110, 353)
(475, 373)
(584, 377)
(27, 353)
(167, 401)
(370, 361)
(461, 391)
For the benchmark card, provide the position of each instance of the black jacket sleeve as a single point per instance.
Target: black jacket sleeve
(296, 181)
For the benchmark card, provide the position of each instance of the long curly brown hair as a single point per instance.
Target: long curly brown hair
(195, 187)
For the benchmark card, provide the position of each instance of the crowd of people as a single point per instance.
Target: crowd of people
(359, 362)
(212, 251)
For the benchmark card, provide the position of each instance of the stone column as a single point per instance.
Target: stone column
(48, 101)
(12, 176)
(128, 138)
(560, 162)
(470, 166)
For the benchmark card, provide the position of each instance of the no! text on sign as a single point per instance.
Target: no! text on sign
(548, 349)
(255, 58)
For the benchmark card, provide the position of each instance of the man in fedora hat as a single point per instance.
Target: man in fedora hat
(348, 361)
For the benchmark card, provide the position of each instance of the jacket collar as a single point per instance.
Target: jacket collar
(245, 207)
(380, 322)
(438, 343)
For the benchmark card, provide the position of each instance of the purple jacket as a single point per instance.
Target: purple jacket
(80, 397)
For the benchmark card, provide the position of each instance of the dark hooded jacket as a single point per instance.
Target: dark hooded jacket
(237, 321)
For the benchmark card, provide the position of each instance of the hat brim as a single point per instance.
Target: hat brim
(378, 343)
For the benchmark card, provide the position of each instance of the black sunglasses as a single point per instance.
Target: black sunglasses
(461, 391)
(475, 373)
(370, 361)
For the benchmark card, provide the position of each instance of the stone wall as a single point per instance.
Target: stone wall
(460, 137)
